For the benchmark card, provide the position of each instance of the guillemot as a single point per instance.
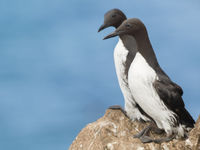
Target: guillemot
(157, 95)
(122, 60)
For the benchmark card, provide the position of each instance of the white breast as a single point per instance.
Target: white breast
(120, 54)
(141, 79)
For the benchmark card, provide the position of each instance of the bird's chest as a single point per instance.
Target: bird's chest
(140, 73)
(120, 57)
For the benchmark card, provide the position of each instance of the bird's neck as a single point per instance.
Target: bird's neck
(129, 43)
(145, 48)
(119, 22)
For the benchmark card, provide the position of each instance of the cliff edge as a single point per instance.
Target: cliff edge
(114, 131)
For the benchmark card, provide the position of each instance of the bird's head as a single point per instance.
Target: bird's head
(128, 27)
(113, 18)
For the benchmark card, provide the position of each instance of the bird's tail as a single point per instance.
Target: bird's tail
(185, 118)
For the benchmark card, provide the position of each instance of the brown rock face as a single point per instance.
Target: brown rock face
(114, 131)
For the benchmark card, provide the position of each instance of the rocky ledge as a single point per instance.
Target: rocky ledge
(114, 131)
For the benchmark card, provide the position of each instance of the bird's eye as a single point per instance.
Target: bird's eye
(128, 25)
(113, 16)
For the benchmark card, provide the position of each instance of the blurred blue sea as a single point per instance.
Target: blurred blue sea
(57, 74)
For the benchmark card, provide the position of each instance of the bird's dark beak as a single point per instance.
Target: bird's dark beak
(117, 32)
(111, 35)
(103, 26)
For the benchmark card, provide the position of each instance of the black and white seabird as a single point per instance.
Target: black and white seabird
(123, 59)
(158, 96)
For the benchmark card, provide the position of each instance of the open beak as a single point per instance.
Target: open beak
(103, 26)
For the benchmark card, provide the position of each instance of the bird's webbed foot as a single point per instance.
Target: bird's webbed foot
(148, 139)
(143, 132)
(157, 130)
(165, 139)
(145, 138)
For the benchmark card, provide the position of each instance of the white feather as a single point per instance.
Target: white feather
(141, 80)
(120, 54)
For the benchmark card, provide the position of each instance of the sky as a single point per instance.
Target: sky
(57, 74)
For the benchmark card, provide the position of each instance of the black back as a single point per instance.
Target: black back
(169, 92)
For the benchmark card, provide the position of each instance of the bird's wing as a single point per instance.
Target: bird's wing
(171, 94)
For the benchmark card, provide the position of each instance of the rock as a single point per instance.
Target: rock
(114, 131)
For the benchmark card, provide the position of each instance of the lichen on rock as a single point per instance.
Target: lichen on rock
(114, 131)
